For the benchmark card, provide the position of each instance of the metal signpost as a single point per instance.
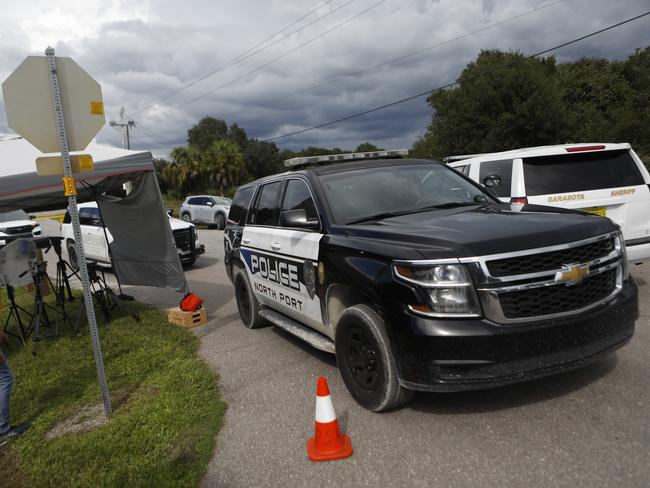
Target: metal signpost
(82, 97)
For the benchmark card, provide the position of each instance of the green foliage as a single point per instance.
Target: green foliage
(367, 147)
(536, 102)
(206, 132)
(166, 409)
(219, 158)
(491, 110)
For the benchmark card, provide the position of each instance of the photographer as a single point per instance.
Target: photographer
(6, 381)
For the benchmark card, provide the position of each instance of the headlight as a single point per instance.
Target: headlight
(448, 288)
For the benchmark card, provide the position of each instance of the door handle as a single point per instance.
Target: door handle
(276, 246)
(246, 241)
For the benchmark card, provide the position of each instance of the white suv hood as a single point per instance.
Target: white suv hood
(17, 223)
(176, 224)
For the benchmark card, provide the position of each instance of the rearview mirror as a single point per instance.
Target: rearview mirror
(492, 181)
(298, 218)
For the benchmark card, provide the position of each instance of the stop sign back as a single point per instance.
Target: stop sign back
(30, 111)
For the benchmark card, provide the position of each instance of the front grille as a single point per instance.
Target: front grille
(25, 229)
(558, 298)
(184, 238)
(549, 261)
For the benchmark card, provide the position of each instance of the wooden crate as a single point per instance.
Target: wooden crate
(187, 319)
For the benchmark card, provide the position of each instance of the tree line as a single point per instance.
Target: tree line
(535, 102)
(531, 102)
(219, 157)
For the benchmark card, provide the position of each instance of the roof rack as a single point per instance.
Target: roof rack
(337, 158)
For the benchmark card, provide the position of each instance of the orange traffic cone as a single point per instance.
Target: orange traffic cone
(329, 442)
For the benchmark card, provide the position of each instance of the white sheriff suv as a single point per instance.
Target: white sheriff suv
(604, 179)
(96, 246)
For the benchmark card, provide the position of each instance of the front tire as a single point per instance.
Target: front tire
(72, 256)
(366, 361)
(247, 304)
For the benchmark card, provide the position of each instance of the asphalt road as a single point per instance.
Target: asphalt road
(587, 428)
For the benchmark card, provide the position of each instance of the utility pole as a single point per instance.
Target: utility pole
(126, 126)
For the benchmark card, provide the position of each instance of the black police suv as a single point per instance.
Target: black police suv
(419, 279)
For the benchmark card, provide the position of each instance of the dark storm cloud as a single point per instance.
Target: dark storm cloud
(165, 44)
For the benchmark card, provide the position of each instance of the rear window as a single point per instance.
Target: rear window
(565, 173)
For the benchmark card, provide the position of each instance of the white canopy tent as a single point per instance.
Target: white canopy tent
(22, 188)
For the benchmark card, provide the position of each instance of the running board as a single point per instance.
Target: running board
(315, 339)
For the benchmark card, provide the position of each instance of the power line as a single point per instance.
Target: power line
(232, 82)
(449, 85)
(398, 58)
(248, 53)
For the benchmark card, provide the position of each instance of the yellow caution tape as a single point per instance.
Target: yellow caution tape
(70, 186)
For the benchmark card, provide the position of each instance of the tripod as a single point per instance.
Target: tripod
(62, 276)
(14, 316)
(42, 310)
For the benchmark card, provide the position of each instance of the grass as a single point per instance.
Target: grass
(166, 408)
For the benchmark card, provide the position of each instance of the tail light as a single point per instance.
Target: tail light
(522, 200)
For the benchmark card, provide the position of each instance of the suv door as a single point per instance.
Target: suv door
(194, 206)
(302, 245)
(92, 232)
(256, 243)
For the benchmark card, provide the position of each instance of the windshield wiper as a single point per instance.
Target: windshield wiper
(379, 216)
(452, 205)
(386, 215)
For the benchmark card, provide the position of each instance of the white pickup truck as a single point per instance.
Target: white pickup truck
(96, 246)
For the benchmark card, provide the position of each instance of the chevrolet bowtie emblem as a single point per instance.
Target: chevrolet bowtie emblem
(572, 273)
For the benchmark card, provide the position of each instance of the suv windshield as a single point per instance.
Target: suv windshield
(565, 173)
(13, 215)
(368, 194)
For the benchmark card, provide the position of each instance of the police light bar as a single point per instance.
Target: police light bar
(336, 158)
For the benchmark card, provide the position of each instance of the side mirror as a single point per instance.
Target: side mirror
(210, 204)
(298, 218)
(492, 181)
(170, 212)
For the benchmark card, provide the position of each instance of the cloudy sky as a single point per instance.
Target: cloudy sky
(282, 65)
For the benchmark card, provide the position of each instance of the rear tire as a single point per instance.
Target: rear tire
(366, 361)
(247, 304)
(186, 217)
(220, 222)
(73, 260)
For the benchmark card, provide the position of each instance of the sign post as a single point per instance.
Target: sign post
(43, 122)
(71, 193)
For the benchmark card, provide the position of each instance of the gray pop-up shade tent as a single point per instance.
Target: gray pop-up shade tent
(22, 188)
(143, 250)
